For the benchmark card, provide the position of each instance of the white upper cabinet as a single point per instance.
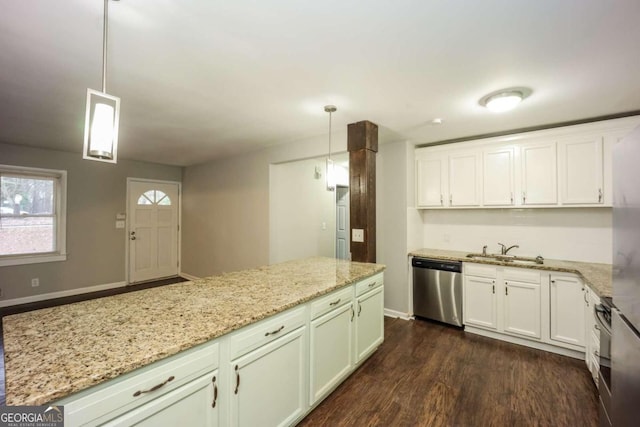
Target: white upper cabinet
(538, 174)
(498, 177)
(580, 171)
(561, 167)
(464, 178)
(430, 181)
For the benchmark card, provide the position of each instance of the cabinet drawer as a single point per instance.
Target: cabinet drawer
(369, 283)
(522, 275)
(266, 331)
(134, 389)
(333, 300)
(480, 270)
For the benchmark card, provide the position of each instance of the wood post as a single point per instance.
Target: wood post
(362, 143)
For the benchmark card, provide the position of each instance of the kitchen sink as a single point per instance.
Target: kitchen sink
(508, 258)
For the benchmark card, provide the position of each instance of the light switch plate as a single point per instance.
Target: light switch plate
(357, 235)
(119, 224)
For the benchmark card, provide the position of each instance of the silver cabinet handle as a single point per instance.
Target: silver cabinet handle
(599, 195)
(277, 330)
(450, 199)
(524, 197)
(441, 200)
(512, 197)
(597, 328)
(353, 313)
(336, 302)
(371, 285)
(359, 309)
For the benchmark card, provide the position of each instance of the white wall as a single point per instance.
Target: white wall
(302, 211)
(577, 234)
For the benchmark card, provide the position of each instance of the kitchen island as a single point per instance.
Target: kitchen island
(56, 352)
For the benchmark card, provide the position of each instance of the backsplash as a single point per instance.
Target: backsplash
(577, 234)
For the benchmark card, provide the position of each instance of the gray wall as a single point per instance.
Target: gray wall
(391, 226)
(96, 192)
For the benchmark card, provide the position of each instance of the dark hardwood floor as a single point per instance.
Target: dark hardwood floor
(427, 374)
(22, 308)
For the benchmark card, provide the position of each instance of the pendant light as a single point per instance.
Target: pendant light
(102, 113)
(331, 175)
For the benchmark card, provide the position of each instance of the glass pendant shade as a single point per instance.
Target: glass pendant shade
(101, 127)
(331, 176)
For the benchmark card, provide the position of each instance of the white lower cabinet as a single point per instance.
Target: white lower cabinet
(480, 302)
(567, 299)
(270, 373)
(369, 322)
(522, 309)
(268, 383)
(552, 311)
(197, 402)
(331, 350)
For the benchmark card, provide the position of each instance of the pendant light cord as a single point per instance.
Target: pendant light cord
(330, 115)
(105, 33)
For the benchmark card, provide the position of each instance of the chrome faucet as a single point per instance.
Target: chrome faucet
(484, 250)
(505, 250)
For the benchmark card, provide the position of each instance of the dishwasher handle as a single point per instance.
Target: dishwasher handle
(432, 264)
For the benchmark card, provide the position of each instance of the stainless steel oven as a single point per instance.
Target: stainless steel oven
(603, 322)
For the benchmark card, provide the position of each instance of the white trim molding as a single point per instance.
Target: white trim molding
(396, 314)
(60, 294)
(188, 276)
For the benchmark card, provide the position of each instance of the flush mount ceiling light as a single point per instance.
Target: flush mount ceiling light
(505, 99)
(102, 114)
(331, 176)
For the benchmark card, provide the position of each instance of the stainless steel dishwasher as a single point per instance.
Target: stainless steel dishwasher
(437, 290)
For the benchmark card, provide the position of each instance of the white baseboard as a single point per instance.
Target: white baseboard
(60, 294)
(396, 314)
(188, 276)
(527, 343)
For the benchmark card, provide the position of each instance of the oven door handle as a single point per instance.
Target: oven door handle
(602, 321)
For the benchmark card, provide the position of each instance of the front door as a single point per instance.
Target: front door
(153, 230)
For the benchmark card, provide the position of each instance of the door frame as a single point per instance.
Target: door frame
(127, 259)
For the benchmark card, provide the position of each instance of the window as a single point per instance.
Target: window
(32, 215)
(154, 197)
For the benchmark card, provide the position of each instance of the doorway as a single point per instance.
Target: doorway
(153, 212)
(342, 223)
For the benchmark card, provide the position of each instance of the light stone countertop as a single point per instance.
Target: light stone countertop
(597, 276)
(53, 352)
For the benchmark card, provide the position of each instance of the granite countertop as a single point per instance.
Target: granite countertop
(597, 276)
(57, 351)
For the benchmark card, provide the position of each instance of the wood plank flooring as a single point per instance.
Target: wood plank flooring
(427, 374)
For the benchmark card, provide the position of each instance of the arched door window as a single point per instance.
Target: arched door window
(154, 197)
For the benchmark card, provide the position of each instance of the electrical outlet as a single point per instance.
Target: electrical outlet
(35, 282)
(357, 235)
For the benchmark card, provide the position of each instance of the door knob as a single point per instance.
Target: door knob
(133, 235)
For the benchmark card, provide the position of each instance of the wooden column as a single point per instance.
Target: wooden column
(362, 143)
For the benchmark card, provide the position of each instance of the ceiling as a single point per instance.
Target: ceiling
(203, 79)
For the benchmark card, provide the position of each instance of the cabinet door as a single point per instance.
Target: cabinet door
(369, 322)
(196, 402)
(480, 302)
(539, 183)
(464, 179)
(429, 182)
(268, 384)
(522, 309)
(497, 183)
(331, 350)
(567, 310)
(580, 171)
